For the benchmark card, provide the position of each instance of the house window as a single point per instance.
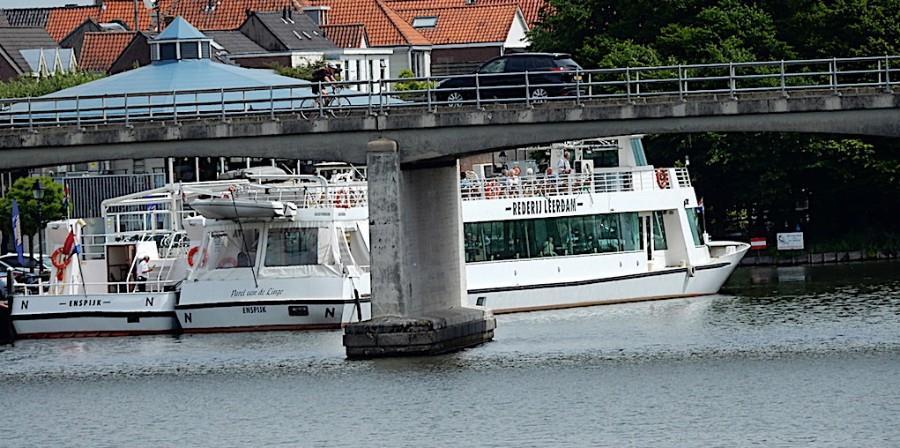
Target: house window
(359, 72)
(424, 22)
(418, 63)
(190, 50)
(167, 52)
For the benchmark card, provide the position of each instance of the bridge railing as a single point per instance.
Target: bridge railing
(361, 98)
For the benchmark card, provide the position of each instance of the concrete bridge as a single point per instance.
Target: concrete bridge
(427, 135)
(411, 149)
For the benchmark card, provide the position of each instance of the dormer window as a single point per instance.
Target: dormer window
(190, 50)
(168, 52)
(424, 22)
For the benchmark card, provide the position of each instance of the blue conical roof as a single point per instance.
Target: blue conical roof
(180, 29)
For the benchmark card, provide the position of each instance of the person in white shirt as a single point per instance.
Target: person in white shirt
(143, 273)
(563, 166)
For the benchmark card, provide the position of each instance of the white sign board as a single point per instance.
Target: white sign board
(790, 241)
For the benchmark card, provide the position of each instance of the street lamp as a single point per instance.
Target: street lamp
(38, 193)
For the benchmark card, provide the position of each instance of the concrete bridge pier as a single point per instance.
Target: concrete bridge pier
(417, 263)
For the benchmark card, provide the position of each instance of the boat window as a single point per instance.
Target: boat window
(602, 158)
(694, 222)
(637, 148)
(292, 247)
(659, 231)
(232, 249)
(551, 237)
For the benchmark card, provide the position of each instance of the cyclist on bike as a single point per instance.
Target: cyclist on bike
(326, 73)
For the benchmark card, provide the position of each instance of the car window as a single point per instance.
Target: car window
(541, 63)
(567, 63)
(515, 65)
(496, 66)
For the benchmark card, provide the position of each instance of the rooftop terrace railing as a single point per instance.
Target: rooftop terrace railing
(360, 98)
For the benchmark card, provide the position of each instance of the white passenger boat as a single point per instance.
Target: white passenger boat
(302, 270)
(616, 230)
(93, 290)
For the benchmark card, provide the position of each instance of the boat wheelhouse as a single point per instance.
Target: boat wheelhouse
(615, 229)
(281, 256)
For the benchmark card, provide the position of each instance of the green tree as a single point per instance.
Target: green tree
(753, 182)
(304, 71)
(51, 207)
(27, 86)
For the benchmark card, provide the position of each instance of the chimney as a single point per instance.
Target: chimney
(318, 14)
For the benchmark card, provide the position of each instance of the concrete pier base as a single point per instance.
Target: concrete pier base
(417, 263)
(439, 333)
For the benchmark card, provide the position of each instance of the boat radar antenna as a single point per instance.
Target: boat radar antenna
(243, 238)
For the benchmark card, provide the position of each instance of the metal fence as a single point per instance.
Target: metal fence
(356, 98)
(88, 192)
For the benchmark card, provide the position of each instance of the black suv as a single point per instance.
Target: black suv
(504, 77)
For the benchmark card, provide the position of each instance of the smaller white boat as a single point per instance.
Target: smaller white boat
(231, 208)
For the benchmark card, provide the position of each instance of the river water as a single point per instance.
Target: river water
(799, 356)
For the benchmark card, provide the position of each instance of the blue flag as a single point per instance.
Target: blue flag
(17, 233)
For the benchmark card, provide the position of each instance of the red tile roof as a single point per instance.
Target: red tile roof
(466, 25)
(62, 21)
(100, 50)
(123, 11)
(530, 8)
(384, 26)
(224, 14)
(346, 36)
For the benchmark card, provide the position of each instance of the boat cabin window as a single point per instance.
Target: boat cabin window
(659, 231)
(292, 247)
(694, 221)
(637, 148)
(552, 237)
(232, 249)
(602, 158)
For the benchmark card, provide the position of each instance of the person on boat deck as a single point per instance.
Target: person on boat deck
(143, 273)
(563, 166)
(548, 250)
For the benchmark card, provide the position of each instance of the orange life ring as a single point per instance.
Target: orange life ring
(60, 261)
(662, 178)
(190, 255)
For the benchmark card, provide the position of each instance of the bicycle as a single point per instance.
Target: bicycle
(332, 103)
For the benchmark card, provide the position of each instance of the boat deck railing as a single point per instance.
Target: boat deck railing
(78, 288)
(612, 181)
(167, 240)
(332, 195)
